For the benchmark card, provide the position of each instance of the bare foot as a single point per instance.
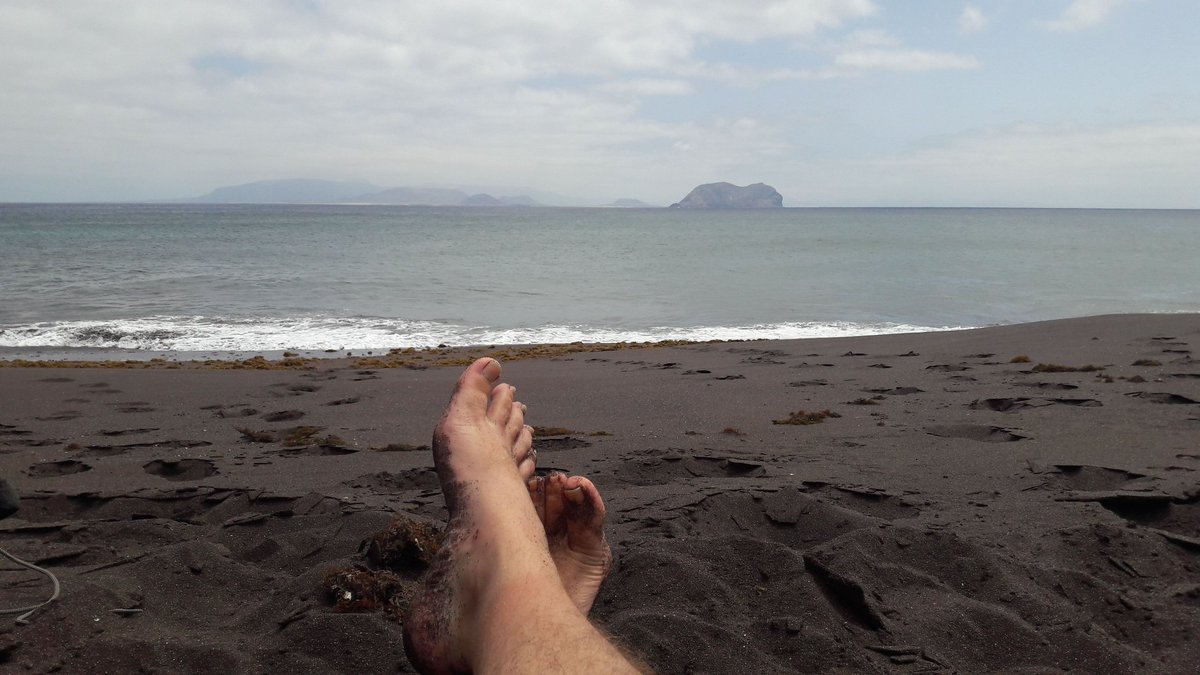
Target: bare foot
(572, 513)
(494, 541)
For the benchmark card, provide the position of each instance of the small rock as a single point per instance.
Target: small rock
(9, 501)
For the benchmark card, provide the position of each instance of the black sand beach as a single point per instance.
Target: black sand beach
(1020, 499)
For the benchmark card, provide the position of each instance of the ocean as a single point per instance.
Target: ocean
(135, 280)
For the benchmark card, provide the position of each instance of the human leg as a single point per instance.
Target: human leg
(492, 601)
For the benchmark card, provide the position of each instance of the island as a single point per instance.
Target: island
(730, 196)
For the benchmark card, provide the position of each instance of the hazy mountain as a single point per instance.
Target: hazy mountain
(482, 200)
(288, 191)
(311, 191)
(628, 203)
(414, 196)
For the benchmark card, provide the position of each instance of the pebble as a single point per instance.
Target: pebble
(9, 501)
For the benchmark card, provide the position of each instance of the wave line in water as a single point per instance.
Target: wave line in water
(225, 334)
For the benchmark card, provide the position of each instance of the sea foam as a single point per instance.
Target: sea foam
(225, 334)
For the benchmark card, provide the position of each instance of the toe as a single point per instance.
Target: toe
(516, 421)
(500, 407)
(526, 468)
(537, 493)
(522, 449)
(476, 382)
(585, 511)
(525, 455)
(555, 504)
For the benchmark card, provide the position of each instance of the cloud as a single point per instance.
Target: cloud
(902, 60)
(1135, 165)
(165, 95)
(648, 87)
(1081, 14)
(878, 50)
(972, 20)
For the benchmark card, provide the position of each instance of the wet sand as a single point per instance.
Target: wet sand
(1019, 498)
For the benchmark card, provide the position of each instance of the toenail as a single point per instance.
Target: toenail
(575, 495)
(491, 370)
(524, 408)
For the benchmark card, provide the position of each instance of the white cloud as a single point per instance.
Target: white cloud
(903, 60)
(1081, 14)
(1120, 165)
(208, 91)
(648, 87)
(972, 20)
(878, 50)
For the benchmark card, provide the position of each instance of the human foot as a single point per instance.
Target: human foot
(494, 540)
(572, 513)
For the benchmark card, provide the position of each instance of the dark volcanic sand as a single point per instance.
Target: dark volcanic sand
(959, 513)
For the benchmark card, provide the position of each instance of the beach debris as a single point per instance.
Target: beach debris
(27, 611)
(358, 589)
(553, 431)
(401, 447)
(1058, 368)
(257, 436)
(896, 391)
(395, 558)
(407, 546)
(802, 417)
(300, 436)
(948, 367)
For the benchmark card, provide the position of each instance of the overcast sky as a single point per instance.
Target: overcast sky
(1078, 103)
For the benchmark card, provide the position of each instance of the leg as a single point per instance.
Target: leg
(492, 600)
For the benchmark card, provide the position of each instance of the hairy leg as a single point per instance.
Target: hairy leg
(492, 600)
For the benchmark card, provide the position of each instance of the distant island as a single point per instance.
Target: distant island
(730, 196)
(628, 203)
(310, 191)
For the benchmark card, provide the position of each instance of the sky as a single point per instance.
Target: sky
(1042, 103)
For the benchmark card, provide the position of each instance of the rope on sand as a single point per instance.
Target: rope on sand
(26, 612)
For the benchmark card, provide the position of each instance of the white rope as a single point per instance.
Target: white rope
(26, 612)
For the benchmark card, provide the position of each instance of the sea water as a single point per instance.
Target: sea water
(157, 278)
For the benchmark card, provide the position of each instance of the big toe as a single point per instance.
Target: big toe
(585, 513)
(475, 384)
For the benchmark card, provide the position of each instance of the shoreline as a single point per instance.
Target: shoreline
(84, 357)
(1008, 498)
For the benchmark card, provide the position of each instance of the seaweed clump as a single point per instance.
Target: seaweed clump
(1056, 368)
(407, 546)
(358, 589)
(386, 580)
(802, 417)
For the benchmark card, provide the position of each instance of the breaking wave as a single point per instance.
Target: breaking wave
(222, 334)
